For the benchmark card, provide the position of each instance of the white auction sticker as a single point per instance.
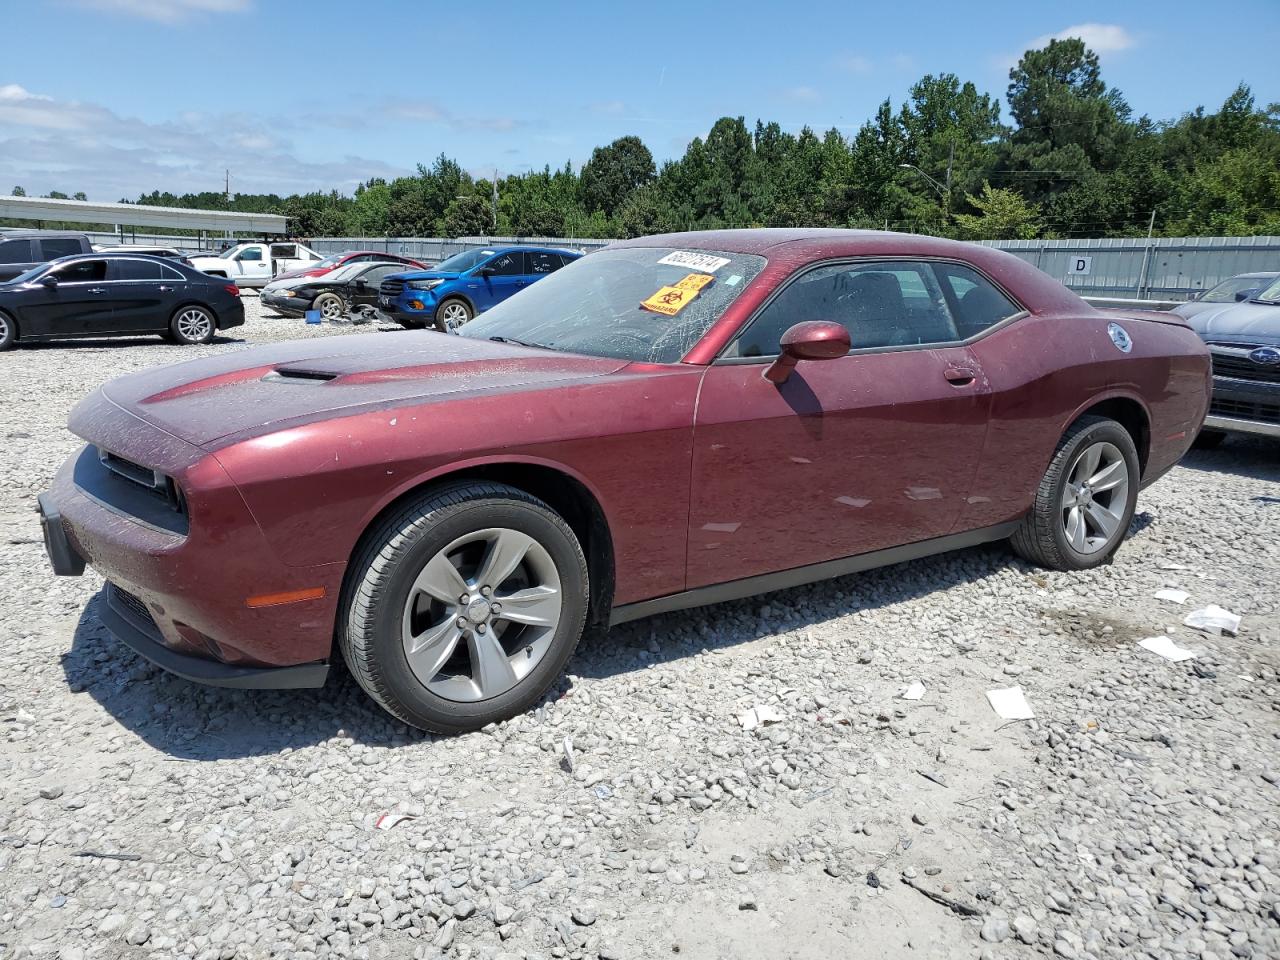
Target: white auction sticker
(694, 261)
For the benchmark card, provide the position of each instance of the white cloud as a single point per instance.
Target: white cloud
(611, 108)
(854, 63)
(166, 11)
(428, 111)
(801, 95)
(48, 144)
(1098, 37)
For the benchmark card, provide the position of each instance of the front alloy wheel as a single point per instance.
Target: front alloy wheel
(462, 607)
(451, 315)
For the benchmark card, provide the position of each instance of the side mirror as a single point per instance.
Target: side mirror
(485, 271)
(49, 280)
(1243, 295)
(812, 340)
(362, 283)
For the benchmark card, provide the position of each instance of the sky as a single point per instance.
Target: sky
(120, 97)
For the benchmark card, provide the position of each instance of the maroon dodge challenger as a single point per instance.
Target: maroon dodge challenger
(669, 422)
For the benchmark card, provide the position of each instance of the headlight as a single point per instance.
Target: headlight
(423, 284)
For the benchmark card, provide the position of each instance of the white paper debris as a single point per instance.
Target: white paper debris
(759, 716)
(1010, 704)
(1165, 647)
(567, 746)
(1174, 566)
(389, 820)
(1173, 596)
(913, 691)
(1213, 619)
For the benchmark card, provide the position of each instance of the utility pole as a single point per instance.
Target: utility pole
(946, 200)
(1146, 255)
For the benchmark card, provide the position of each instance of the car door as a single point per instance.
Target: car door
(363, 290)
(252, 264)
(142, 293)
(850, 455)
(75, 305)
(500, 277)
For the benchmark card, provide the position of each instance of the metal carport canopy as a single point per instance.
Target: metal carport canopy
(137, 215)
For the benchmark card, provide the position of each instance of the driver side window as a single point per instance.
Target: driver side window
(881, 303)
(508, 265)
(250, 253)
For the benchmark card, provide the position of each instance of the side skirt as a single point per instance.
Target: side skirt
(797, 576)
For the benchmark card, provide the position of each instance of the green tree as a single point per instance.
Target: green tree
(613, 172)
(1002, 215)
(18, 192)
(468, 216)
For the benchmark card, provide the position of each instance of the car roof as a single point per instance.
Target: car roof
(1257, 275)
(20, 234)
(816, 241)
(526, 248)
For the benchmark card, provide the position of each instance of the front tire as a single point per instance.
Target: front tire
(192, 324)
(464, 606)
(452, 314)
(8, 331)
(331, 306)
(1085, 502)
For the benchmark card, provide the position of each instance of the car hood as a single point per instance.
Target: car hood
(1247, 322)
(281, 284)
(257, 391)
(425, 275)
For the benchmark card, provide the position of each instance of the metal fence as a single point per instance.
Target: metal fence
(1163, 268)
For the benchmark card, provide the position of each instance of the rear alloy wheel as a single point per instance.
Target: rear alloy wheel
(8, 331)
(192, 324)
(464, 607)
(452, 314)
(331, 306)
(1086, 500)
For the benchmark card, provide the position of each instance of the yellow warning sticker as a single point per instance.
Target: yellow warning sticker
(669, 301)
(694, 281)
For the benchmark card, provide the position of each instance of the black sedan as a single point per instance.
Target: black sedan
(336, 294)
(108, 295)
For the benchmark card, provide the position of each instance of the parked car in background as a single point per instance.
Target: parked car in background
(1244, 342)
(336, 260)
(336, 294)
(255, 264)
(1232, 290)
(466, 284)
(669, 422)
(107, 295)
(21, 250)
(134, 248)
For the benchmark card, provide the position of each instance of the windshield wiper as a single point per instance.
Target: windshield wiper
(520, 343)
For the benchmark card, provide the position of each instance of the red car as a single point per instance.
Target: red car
(672, 421)
(337, 260)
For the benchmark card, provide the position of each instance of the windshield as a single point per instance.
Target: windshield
(1226, 291)
(461, 262)
(343, 274)
(30, 274)
(330, 261)
(1271, 294)
(634, 303)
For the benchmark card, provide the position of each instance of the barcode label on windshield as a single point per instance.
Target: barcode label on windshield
(694, 261)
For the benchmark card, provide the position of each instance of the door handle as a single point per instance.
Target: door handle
(959, 376)
(164, 289)
(96, 290)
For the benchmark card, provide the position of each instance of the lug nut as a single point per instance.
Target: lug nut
(485, 591)
(479, 628)
(462, 621)
(463, 600)
(496, 608)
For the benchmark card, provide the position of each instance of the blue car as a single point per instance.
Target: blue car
(468, 283)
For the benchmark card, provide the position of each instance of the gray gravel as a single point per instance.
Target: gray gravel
(1137, 816)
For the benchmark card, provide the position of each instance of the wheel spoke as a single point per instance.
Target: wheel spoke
(1112, 475)
(429, 650)
(491, 671)
(1088, 465)
(1103, 520)
(502, 557)
(1075, 529)
(536, 606)
(440, 579)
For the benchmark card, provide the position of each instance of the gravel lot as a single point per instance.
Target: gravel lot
(1136, 816)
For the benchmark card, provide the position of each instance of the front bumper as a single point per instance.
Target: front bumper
(1241, 405)
(197, 583)
(289, 306)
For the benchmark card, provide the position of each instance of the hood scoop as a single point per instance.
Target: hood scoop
(299, 376)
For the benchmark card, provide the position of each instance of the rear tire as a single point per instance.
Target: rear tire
(192, 324)
(445, 665)
(8, 331)
(331, 306)
(1085, 502)
(451, 314)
